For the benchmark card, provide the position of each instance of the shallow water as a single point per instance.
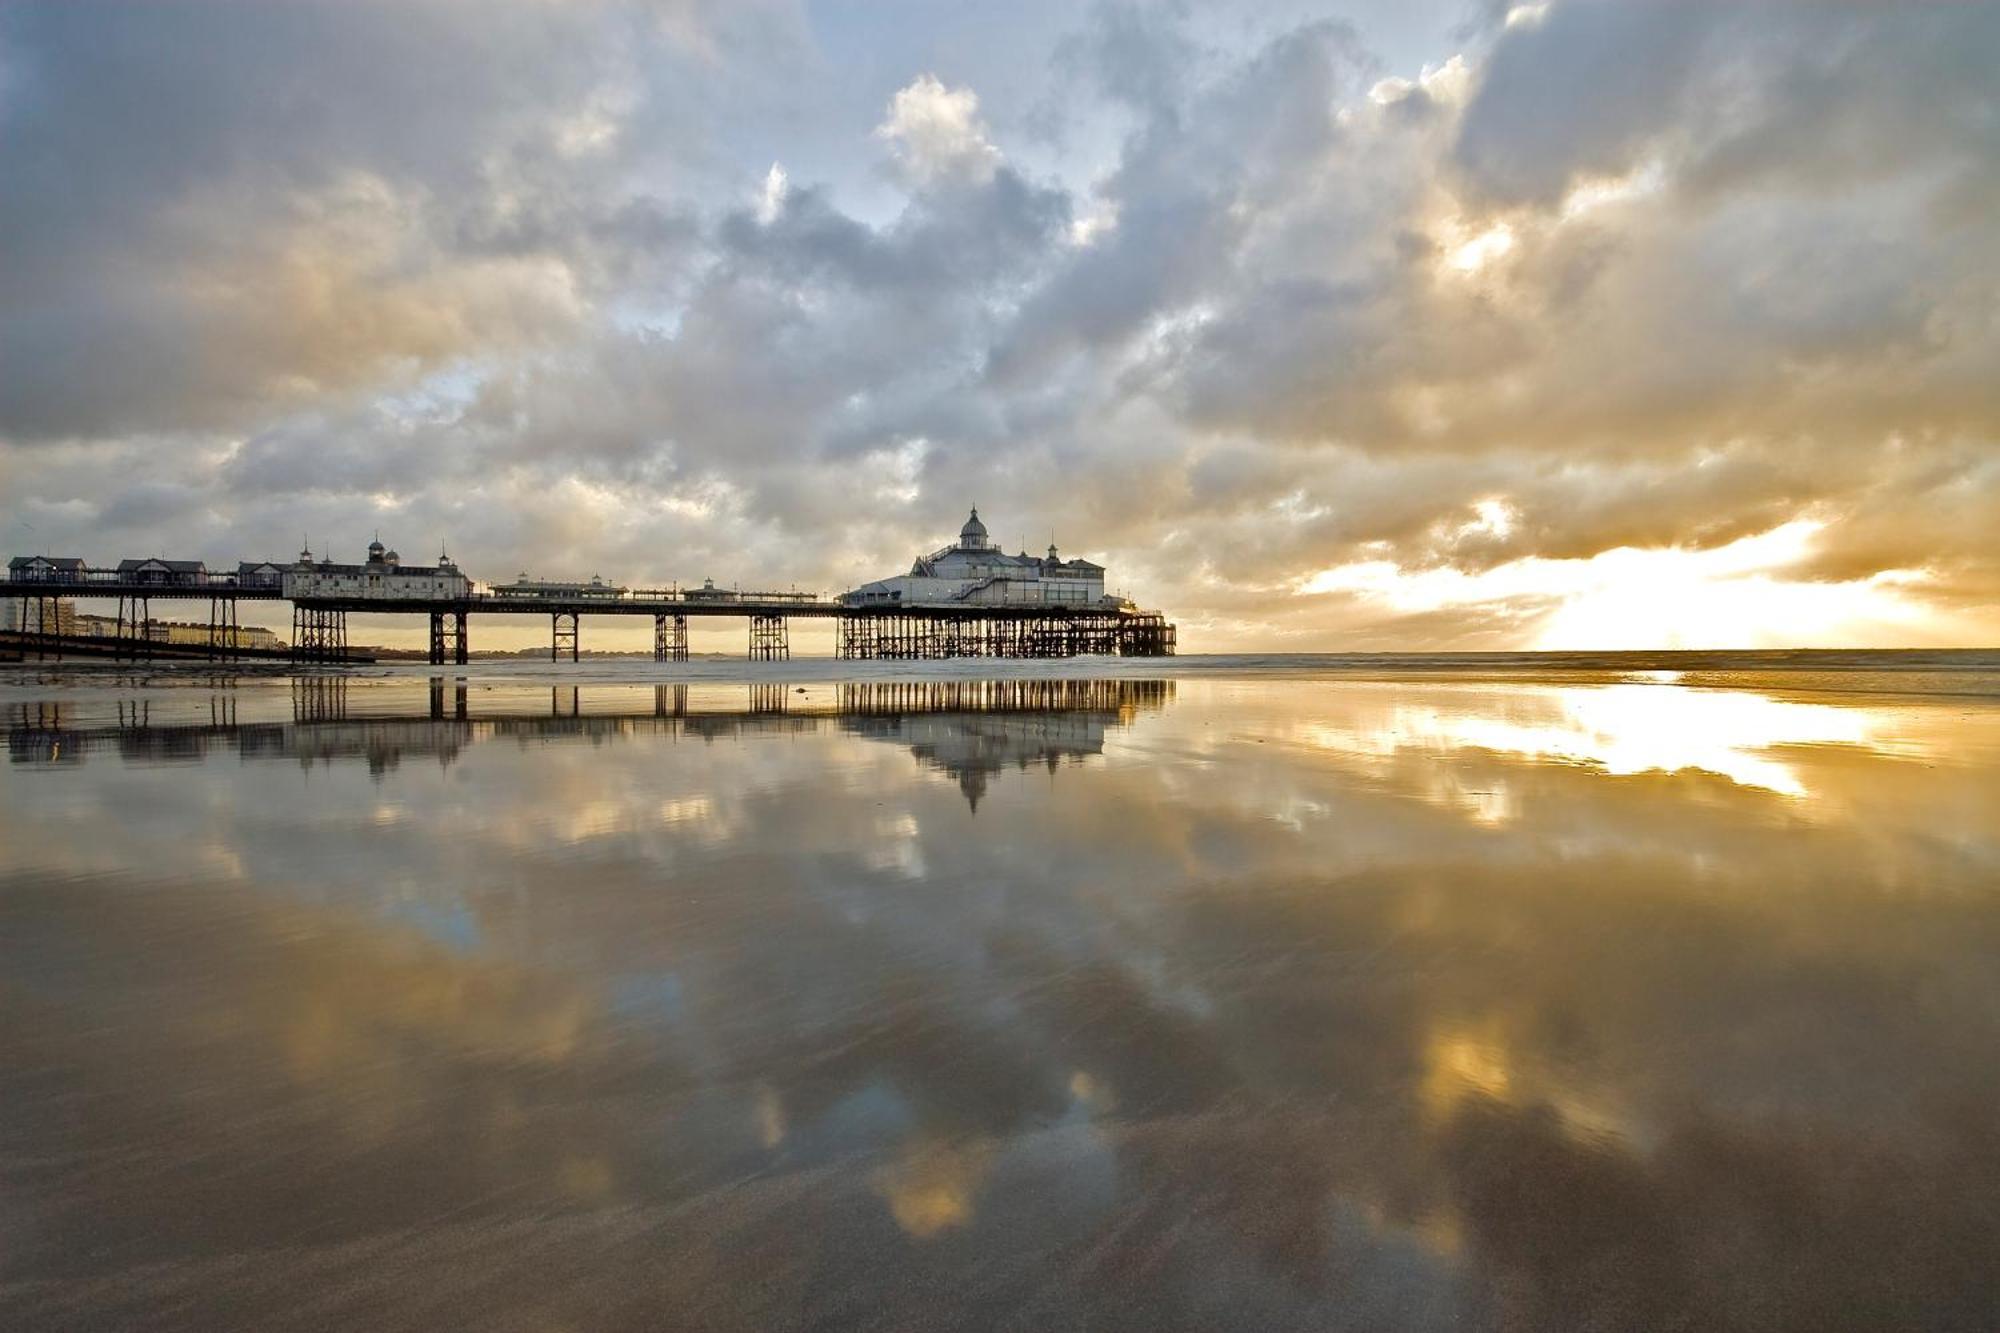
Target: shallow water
(1272, 995)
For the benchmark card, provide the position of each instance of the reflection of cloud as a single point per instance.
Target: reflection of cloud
(770, 1117)
(898, 845)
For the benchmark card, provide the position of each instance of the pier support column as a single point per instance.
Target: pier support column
(563, 633)
(1145, 635)
(460, 653)
(670, 638)
(224, 635)
(133, 633)
(860, 637)
(770, 640)
(447, 637)
(48, 624)
(319, 634)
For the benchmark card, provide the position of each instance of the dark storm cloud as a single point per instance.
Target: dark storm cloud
(1657, 275)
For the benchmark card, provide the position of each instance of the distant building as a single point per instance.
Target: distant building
(382, 577)
(189, 632)
(44, 569)
(60, 613)
(176, 631)
(975, 572)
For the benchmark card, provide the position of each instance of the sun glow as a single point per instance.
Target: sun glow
(1493, 243)
(1737, 595)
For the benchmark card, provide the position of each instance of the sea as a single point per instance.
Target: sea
(1486, 991)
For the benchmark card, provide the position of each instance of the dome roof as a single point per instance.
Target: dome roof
(974, 532)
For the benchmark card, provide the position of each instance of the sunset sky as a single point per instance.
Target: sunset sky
(1332, 326)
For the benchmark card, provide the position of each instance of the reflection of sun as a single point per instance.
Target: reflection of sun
(1621, 730)
(1461, 1065)
(930, 1187)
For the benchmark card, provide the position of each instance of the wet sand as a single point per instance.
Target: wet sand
(1268, 993)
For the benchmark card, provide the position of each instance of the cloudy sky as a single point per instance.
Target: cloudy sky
(1356, 324)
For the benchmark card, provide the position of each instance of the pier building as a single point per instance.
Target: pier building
(45, 568)
(382, 577)
(973, 571)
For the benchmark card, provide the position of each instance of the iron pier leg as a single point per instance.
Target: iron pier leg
(769, 639)
(460, 655)
(561, 634)
(670, 638)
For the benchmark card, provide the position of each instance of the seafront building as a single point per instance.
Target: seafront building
(56, 615)
(975, 572)
(187, 632)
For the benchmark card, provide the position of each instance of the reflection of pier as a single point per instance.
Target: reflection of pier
(969, 729)
(975, 729)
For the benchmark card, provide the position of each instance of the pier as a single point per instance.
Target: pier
(885, 631)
